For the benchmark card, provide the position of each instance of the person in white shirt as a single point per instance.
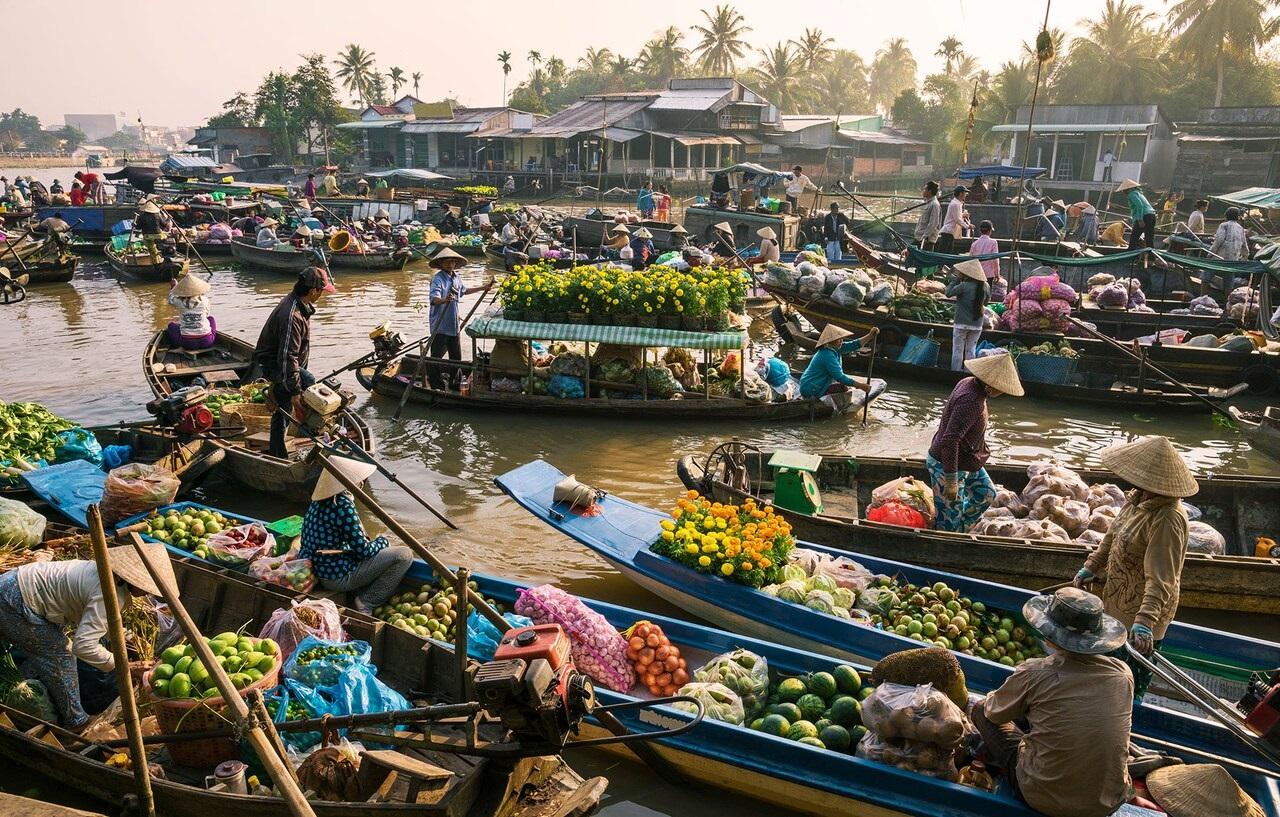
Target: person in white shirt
(930, 221)
(266, 238)
(768, 246)
(195, 327)
(797, 185)
(40, 600)
(1230, 243)
(1108, 159)
(510, 233)
(955, 222)
(1195, 221)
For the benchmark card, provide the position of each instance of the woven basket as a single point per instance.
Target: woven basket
(255, 417)
(188, 715)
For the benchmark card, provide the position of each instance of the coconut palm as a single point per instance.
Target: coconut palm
(965, 67)
(813, 49)
(841, 86)
(504, 57)
(535, 58)
(396, 77)
(355, 70)
(1218, 29)
(1051, 71)
(1117, 58)
(417, 77)
(892, 72)
(721, 44)
(619, 68)
(950, 50)
(780, 77)
(595, 60)
(556, 71)
(664, 56)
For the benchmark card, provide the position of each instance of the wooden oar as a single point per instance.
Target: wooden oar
(871, 363)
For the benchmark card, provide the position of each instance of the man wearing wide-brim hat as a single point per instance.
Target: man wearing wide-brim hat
(958, 455)
(1139, 563)
(447, 290)
(1141, 213)
(39, 601)
(971, 292)
(825, 373)
(195, 328)
(1059, 726)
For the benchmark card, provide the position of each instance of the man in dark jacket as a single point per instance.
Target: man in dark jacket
(834, 227)
(284, 345)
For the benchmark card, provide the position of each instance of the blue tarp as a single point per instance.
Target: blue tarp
(71, 487)
(1006, 171)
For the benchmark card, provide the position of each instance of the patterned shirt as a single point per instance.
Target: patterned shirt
(1230, 242)
(960, 443)
(930, 222)
(333, 524)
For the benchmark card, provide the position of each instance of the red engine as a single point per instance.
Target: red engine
(184, 411)
(1261, 706)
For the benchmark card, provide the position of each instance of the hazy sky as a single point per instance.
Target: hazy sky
(176, 61)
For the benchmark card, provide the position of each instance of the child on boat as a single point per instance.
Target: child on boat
(195, 327)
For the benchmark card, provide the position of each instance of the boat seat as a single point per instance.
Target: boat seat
(380, 769)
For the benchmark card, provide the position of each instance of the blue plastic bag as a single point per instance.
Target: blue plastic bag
(359, 691)
(78, 444)
(564, 385)
(123, 227)
(483, 637)
(309, 666)
(114, 456)
(310, 700)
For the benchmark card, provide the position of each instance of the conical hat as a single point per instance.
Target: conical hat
(621, 228)
(447, 253)
(679, 229)
(355, 470)
(1127, 184)
(767, 232)
(148, 206)
(1200, 790)
(832, 333)
(382, 213)
(643, 232)
(972, 268)
(189, 286)
(303, 230)
(127, 565)
(723, 227)
(998, 372)
(1152, 464)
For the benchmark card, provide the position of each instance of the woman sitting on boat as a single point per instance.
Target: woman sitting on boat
(266, 238)
(642, 249)
(962, 490)
(195, 327)
(40, 600)
(825, 375)
(723, 245)
(620, 237)
(679, 237)
(342, 555)
(1140, 559)
(768, 246)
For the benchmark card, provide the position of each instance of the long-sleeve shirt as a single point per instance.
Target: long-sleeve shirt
(1195, 222)
(644, 200)
(956, 221)
(266, 238)
(69, 594)
(798, 184)
(643, 252)
(1230, 241)
(971, 299)
(1141, 557)
(1073, 761)
(831, 225)
(334, 525)
(330, 185)
(986, 245)
(768, 251)
(930, 222)
(284, 345)
(825, 369)
(193, 314)
(309, 189)
(444, 316)
(1139, 207)
(960, 441)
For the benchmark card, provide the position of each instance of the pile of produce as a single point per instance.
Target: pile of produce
(320, 664)
(742, 672)
(810, 278)
(432, 612)
(903, 501)
(253, 393)
(188, 528)
(1042, 303)
(597, 648)
(823, 709)
(923, 307)
(20, 527)
(1108, 293)
(477, 190)
(916, 728)
(29, 437)
(180, 674)
(1049, 348)
(749, 544)
(468, 240)
(657, 662)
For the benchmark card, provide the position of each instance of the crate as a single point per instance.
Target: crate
(1046, 368)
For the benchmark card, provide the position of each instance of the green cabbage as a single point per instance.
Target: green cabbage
(792, 591)
(770, 589)
(821, 601)
(843, 597)
(794, 571)
(822, 582)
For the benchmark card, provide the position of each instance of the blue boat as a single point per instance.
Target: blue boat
(622, 531)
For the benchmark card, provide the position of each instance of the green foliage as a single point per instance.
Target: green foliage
(357, 71)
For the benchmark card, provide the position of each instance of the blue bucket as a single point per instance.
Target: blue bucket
(920, 351)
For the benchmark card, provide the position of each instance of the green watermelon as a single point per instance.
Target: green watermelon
(835, 737)
(802, 729)
(812, 742)
(847, 679)
(823, 684)
(865, 692)
(846, 711)
(775, 725)
(811, 706)
(822, 724)
(757, 723)
(788, 710)
(791, 689)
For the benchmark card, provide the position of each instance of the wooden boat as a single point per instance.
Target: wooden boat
(44, 259)
(144, 267)
(591, 232)
(229, 362)
(1261, 429)
(1241, 507)
(479, 787)
(292, 260)
(393, 380)
(496, 256)
(620, 532)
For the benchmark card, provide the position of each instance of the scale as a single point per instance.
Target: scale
(794, 486)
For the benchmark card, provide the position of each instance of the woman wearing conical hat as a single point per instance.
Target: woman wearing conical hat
(1140, 559)
(962, 490)
(195, 328)
(825, 375)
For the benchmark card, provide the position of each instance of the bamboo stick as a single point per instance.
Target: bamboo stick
(280, 773)
(115, 631)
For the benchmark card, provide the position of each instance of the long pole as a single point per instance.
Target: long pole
(404, 397)
(871, 364)
(285, 784)
(115, 633)
(1026, 151)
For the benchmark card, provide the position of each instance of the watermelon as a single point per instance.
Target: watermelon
(812, 742)
(791, 689)
(846, 711)
(811, 706)
(823, 684)
(802, 729)
(848, 680)
(775, 725)
(788, 710)
(835, 737)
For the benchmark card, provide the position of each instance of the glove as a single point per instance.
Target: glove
(1083, 576)
(1140, 637)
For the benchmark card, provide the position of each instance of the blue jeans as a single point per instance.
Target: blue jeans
(834, 251)
(974, 495)
(285, 401)
(48, 659)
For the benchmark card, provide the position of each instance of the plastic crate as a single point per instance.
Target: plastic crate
(1046, 368)
(920, 351)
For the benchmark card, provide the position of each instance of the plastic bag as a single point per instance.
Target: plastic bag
(742, 671)
(843, 571)
(833, 279)
(136, 488)
(1065, 486)
(782, 276)
(317, 663)
(237, 547)
(811, 286)
(919, 713)
(848, 294)
(1105, 494)
(566, 386)
(1044, 287)
(1070, 514)
(909, 491)
(1102, 517)
(1040, 530)
(294, 574)
(718, 701)
(288, 626)
(1100, 279)
(293, 701)
(483, 637)
(921, 758)
(1203, 538)
(598, 649)
(877, 600)
(897, 513)
(879, 294)
(78, 444)
(569, 363)
(1091, 537)
(31, 697)
(20, 527)
(1008, 500)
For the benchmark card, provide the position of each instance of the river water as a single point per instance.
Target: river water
(77, 348)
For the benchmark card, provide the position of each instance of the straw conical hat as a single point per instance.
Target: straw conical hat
(643, 232)
(303, 230)
(679, 228)
(447, 253)
(189, 286)
(1200, 790)
(268, 222)
(723, 227)
(972, 268)
(1152, 464)
(998, 372)
(621, 228)
(1127, 184)
(382, 213)
(767, 232)
(149, 206)
(128, 566)
(832, 333)
(328, 485)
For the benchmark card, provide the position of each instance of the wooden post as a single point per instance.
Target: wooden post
(279, 769)
(460, 630)
(115, 633)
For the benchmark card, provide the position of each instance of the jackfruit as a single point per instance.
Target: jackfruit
(927, 665)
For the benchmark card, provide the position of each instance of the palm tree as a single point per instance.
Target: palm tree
(813, 49)
(595, 60)
(965, 67)
(841, 87)
(721, 44)
(396, 76)
(664, 57)
(556, 70)
(535, 57)
(1216, 29)
(417, 77)
(1051, 71)
(618, 70)
(950, 50)
(892, 72)
(504, 57)
(781, 77)
(1122, 46)
(355, 69)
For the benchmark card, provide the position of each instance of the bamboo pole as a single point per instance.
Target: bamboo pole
(115, 632)
(280, 772)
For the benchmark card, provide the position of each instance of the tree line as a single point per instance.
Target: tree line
(20, 130)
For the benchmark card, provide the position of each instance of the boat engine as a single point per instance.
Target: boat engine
(1261, 706)
(386, 342)
(321, 405)
(533, 688)
(184, 411)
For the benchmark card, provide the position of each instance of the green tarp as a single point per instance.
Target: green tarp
(925, 258)
(495, 326)
(1261, 197)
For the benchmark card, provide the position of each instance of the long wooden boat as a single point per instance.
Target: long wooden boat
(797, 778)
(1241, 507)
(1260, 369)
(496, 256)
(1262, 429)
(479, 787)
(591, 231)
(393, 380)
(230, 362)
(142, 266)
(293, 260)
(621, 532)
(44, 259)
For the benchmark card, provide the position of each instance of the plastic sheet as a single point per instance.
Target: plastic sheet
(317, 663)
(78, 444)
(483, 637)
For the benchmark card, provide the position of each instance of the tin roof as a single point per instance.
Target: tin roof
(587, 115)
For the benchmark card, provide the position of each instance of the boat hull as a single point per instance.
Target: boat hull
(165, 270)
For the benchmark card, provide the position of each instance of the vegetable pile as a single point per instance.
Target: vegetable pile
(747, 544)
(432, 612)
(823, 709)
(656, 660)
(320, 665)
(188, 528)
(180, 674)
(477, 190)
(246, 394)
(28, 436)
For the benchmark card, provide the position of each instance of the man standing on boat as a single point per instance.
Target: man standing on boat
(1230, 243)
(1142, 214)
(329, 186)
(284, 347)
(956, 222)
(834, 227)
(447, 290)
(930, 222)
(796, 185)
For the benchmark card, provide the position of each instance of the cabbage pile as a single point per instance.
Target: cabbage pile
(819, 592)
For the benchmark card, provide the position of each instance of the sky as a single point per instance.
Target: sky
(174, 61)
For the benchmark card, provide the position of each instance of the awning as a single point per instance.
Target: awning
(412, 174)
(495, 326)
(440, 127)
(746, 167)
(1198, 137)
(1089, 127)
(1004, 171)
(691, 139)
(1264, 197)
(372, 124)
(178, 162)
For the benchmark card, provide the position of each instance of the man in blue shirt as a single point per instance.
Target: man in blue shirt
(824, 374)
(446, 290)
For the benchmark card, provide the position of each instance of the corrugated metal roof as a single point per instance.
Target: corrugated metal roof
(612, 134)
(690, 139)
(691, 99)
(372, 123)
(1268, 197)
(1131, 127)
(586, 115)
(177, 162)
(386, 110)
(878, 137)
(441, 127)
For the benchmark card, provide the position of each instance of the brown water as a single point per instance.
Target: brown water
(78, 349)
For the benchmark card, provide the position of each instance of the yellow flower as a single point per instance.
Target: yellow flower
(726, 569)
(667, 524)
(705, 561)
(668, 535)
(691, 548)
